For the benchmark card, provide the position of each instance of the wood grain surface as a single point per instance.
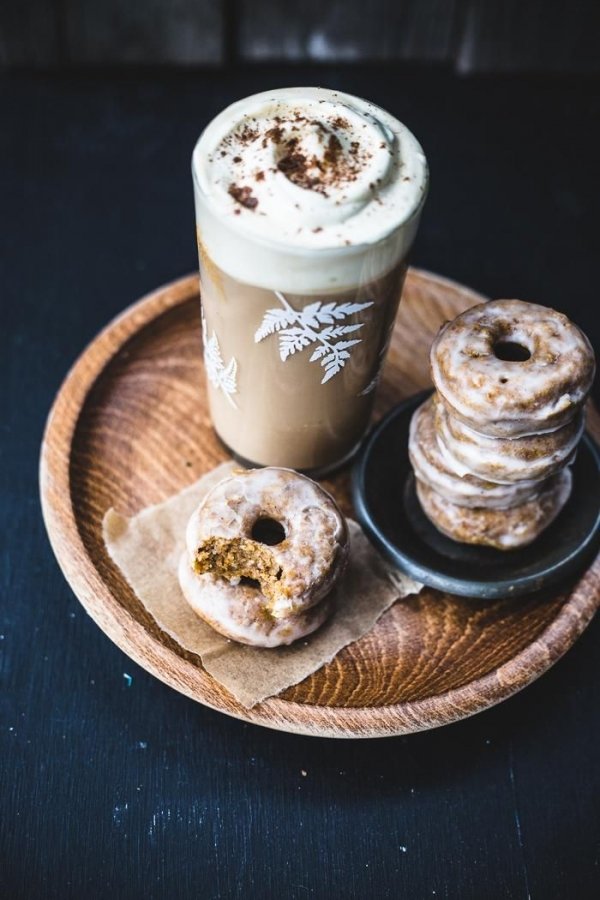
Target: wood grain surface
(130, 426)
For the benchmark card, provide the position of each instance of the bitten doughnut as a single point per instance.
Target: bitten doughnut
(242, 613)
(271, 531)
(509, 368)
(438, 471)
(503, 529)
(536, 456)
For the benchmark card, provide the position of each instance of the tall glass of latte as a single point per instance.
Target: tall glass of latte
(307, 203)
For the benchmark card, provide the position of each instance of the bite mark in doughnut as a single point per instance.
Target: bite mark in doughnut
(237, 558)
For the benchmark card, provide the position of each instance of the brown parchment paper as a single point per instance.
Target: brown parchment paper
(147, 547)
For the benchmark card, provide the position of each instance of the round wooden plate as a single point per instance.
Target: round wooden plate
(130, 426)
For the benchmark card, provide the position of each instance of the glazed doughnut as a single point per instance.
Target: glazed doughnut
(508, 368)
(296, 564)
(503, 460)
(502, 529)
(242, 613)
(438, 471)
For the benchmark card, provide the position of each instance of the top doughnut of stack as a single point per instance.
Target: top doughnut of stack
(490, 450)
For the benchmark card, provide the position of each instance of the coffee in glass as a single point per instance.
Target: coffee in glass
(307, 203)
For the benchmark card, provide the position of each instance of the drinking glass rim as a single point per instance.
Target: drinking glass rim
(237, 224)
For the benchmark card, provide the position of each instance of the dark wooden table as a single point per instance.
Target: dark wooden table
(111, 784)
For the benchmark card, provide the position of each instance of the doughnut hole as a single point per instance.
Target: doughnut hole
(511, 351)
(268, 531)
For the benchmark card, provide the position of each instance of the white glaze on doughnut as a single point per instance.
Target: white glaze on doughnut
(434, 466)
(242, 614)
(502, 529)
(312, 555)
(511, 399)
(506, 460)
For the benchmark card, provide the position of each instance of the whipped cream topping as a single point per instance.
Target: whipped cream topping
(309, 169)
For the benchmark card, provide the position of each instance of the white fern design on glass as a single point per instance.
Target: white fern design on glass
(222, 377)
(298, 329)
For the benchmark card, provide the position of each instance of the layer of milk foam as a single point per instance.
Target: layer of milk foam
(307, 190)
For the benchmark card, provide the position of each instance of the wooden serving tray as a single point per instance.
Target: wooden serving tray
(130, 426)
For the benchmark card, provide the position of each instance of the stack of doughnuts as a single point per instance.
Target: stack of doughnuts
(263, 552)
(491, 448)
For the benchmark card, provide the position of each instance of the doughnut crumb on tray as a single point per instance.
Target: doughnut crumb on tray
(263, 551)
(491, 449)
